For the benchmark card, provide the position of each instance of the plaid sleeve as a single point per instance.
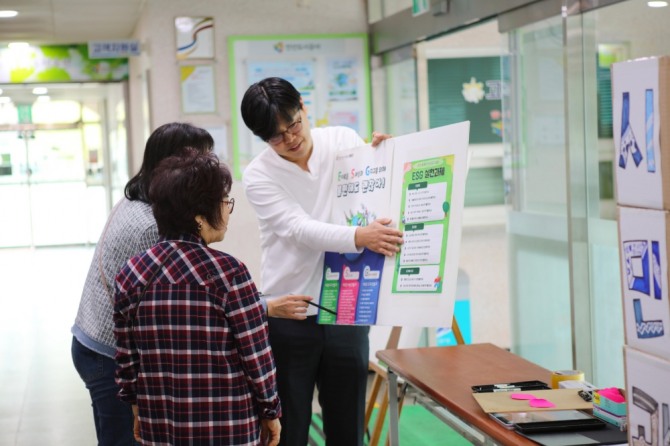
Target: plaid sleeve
(127, 357)
(248, 322)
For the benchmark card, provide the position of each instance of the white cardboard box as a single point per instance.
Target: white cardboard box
(640, 112)
(648, 398)
(643, 239)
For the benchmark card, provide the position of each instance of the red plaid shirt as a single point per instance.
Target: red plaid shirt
(196, 360)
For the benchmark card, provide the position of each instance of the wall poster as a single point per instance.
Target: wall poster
(197, 89)
(195, 37)
(419, 181)
(331, 72)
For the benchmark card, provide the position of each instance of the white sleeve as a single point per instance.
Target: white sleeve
(284, 217)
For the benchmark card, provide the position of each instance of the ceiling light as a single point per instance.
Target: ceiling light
(0, 90)
(5, 99)
(43, 99)
(40, 90)
(8, 13)
(657, 4)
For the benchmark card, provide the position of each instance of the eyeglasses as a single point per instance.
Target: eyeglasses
(230, 202)
(290, 130)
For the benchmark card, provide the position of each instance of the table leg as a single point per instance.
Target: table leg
(394, 440)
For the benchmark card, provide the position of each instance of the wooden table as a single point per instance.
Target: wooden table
(445, 375)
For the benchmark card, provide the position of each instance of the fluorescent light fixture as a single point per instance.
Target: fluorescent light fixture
(43, 99)
(657, 4)
(7, 13)
(5, 99)
(40, 90)
(18, 45)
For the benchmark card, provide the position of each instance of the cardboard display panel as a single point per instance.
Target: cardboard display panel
(640, 104)
(643, 238)
(648, 396)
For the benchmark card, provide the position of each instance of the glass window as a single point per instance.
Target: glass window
(537, 221)
(623, 31)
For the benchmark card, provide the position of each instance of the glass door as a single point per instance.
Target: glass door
(597, 40)
(15, 221)
(535, 174)
(55, 176)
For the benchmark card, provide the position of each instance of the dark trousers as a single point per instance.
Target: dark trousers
(335, 360)
(113, 417)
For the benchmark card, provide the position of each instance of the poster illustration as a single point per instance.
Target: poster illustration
(352, 281)
(644, 269)
(418, 180)
(648, 396)
(636, 112)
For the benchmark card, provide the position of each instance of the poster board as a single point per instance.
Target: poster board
(639, 107)
(644, 279)
(198, 94)
(352, 281)
(648, 398)
(418, 180)
(331, 72)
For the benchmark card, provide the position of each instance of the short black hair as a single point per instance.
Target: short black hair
(167, 140)
(266, 102)
(187, 185)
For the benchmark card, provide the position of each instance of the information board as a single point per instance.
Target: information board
(418, 180)
(331, 72)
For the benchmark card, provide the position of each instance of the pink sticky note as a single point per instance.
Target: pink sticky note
(522, 396)
(612, 393)
(540, 403)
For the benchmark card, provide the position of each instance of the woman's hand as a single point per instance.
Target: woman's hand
(289, 307)
(379, 237)
(270, 430)
(136, 424)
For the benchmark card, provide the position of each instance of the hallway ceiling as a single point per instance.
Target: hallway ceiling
(69, 21)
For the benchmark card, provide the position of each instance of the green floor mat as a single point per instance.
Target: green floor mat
(418, 427)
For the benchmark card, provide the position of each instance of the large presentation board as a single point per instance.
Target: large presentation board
(418, 180)
(330, 71)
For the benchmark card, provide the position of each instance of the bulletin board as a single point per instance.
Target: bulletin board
(467, 89)
(331, 72)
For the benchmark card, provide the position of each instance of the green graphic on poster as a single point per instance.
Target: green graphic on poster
(424, 220)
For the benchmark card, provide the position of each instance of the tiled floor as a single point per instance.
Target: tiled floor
(42, 401)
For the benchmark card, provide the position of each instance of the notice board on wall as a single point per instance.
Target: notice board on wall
(331, 72)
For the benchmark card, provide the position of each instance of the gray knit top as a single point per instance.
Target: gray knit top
(130, 229)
